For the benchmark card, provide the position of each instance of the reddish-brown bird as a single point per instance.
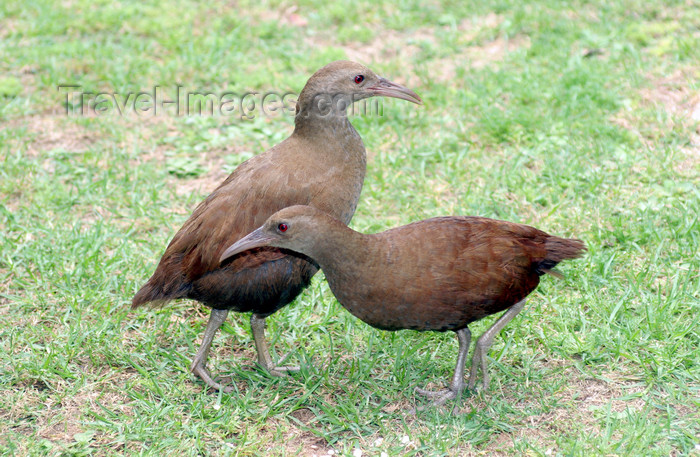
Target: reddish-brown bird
(438, 274)
(321, 164)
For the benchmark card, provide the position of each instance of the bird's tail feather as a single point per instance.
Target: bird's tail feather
(558, 249)
(155, 295)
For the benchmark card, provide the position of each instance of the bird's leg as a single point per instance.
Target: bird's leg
(486, 340)
(457, 385)
(257, 324)
(199, 363)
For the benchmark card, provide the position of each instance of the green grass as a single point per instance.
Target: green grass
(575, 117)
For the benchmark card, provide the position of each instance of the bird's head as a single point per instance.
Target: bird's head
(337, 85)
(295, 228)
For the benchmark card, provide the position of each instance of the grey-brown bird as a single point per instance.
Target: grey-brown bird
(321, 164)
(438, 274)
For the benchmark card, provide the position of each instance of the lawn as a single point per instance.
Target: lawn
(580, 118)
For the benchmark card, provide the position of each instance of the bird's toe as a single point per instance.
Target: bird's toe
(228, 389)
(440, 397)
(431, 393)
(281, 371)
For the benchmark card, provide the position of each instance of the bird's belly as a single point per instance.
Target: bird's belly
(262, 289)
(399, 315)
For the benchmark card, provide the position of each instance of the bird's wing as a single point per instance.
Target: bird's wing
(483, 259)
(252, 193)
(498, 259)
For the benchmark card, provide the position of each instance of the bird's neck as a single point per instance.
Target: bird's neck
(337, 244)
(311, 122)
(344, 255)
(332, 139)
(324, 116)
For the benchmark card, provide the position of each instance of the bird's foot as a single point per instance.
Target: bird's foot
(439, 397)
(279, 370)
(202, 373)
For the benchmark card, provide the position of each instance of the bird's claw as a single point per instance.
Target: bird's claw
(439, 397)
(281, 371)
(278, 370)
(203, 373)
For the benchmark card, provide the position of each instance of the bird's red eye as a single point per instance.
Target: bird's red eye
(282, 227)
(359, 79)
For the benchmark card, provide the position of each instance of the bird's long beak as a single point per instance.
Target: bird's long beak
(389, 89)
(252, 240)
